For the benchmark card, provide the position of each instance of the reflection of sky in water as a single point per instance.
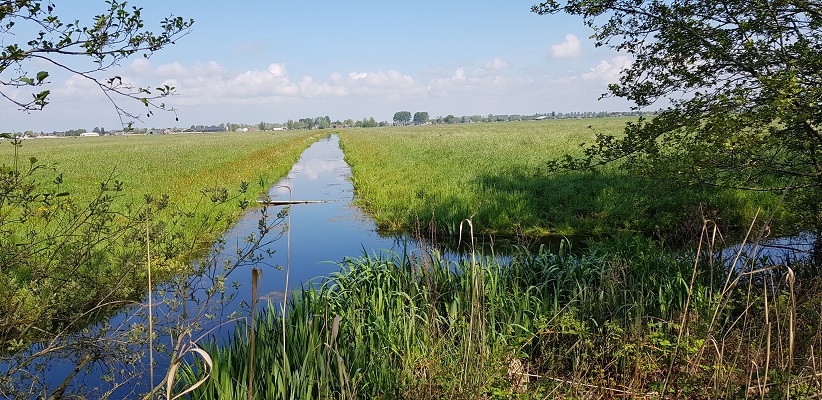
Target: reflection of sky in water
(320, 174)
(321, 235)
(313, 168)
(785, 250)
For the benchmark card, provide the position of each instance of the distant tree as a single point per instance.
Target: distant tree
(420, 117)
(402, 117)
(322, 122)
(96, 130)
(348, 122)
(262, 126)
(307, 123)
(450, 119)
(368, 123)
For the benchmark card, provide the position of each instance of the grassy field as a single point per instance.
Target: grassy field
(73, 239)
(177, 165)
(407, 176)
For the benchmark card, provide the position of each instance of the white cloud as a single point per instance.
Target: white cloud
(208, 92)
(606, 71)
(277, 70)
(570, 48)
(140, 66)
(496, 64)
(174, 70)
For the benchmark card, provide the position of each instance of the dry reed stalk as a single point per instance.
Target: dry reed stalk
(767, 346)
(687, 305)
(285, 291)
(790, 277)
(255, 280)
(477, 289)
(150, 313)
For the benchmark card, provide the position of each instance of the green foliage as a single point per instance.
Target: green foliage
(607, 320)
(420, 117)
(115, 34)
(402, 117)
(68, 263)
(72, 243)
(743, 82)
(407, 176)
(187, 163)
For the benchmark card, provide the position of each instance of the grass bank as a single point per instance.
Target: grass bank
(79, 217)
(180, 166)
(624, 319)
(408, 176)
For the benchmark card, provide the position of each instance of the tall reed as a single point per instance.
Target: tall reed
(622, 318)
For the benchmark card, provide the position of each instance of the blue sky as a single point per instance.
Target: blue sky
(252, 61)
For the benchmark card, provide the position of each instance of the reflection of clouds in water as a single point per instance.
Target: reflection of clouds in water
(312, 169)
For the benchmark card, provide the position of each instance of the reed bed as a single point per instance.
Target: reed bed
(626, 319)
(497, 173)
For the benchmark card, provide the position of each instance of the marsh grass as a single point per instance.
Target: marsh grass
(626, 318)
(75, 222)
(497, 172)
(191, 171)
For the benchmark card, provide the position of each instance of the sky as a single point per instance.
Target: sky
(252, 61)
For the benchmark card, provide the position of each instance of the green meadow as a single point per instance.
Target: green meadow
(78, 215)
(496, 174)
(177, 165)
(624, 317)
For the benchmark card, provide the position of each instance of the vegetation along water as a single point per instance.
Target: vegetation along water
(626, 316)
(76, 213)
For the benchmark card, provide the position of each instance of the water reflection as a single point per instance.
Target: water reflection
(784, 250)
(321, 234)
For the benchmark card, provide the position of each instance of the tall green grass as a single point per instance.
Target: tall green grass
(406, 176)
(178, 165)
(77, 216)
(624, 319)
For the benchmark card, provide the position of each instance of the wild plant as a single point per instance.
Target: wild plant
(69, 267)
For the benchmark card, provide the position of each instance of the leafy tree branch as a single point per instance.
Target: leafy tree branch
(86, 50)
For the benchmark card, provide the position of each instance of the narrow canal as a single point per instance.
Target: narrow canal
(320, 230)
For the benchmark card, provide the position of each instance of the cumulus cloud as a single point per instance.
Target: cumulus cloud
(476, 81)
(211, 83)
(570, 48)
(496, 64)
(608, 71)
(172, 70)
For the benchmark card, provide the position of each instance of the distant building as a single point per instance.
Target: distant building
(89, 134)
